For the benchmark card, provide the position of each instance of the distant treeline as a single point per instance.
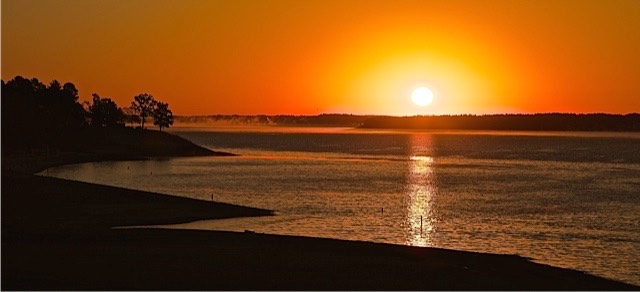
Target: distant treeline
(513, 122)
(332, 120)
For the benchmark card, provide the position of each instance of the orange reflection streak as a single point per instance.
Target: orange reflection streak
(420, 221)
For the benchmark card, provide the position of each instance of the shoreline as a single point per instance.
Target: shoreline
(99, 145)
(58, 234)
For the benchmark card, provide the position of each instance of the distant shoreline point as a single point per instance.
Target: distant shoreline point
(596, 122)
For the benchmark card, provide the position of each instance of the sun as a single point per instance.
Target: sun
(422, 96)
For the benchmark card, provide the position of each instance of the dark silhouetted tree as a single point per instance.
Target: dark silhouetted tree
(20, 111)
(143, 104)
(60, 107)
(162, 115)
(54, 86)
(105, 113)
(39, 114)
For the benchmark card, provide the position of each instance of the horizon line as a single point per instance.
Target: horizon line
(406, 116)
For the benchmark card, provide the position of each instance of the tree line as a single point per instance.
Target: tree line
(32, 110)
(512, 122)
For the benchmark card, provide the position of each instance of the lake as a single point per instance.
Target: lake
(561, 198)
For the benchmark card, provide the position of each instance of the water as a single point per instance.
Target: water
(565, 199)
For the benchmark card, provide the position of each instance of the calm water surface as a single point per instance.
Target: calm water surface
(566, 199)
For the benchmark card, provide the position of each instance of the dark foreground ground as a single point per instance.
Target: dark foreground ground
(56, 235)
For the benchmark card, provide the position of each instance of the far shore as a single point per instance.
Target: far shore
(58, 235)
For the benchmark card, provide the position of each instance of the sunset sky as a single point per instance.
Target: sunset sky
(334, 56)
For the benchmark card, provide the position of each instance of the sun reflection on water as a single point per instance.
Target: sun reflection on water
(420, 221)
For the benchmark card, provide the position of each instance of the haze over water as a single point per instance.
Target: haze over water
(566, 199)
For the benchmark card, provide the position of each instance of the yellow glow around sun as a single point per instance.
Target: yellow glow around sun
(422, 96)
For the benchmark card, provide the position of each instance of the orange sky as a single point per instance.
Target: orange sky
(334, 56)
